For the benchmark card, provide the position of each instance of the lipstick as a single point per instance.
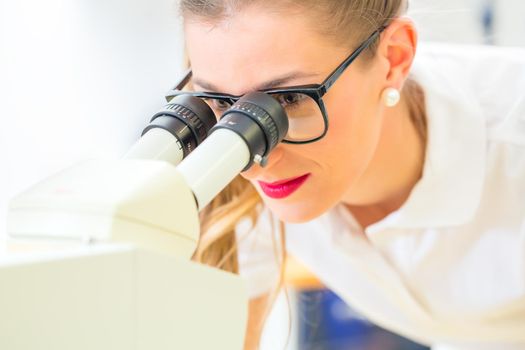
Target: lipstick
(284, 188)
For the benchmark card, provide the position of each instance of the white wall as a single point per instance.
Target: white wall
(79, 79)
(448, 20)
(510, 22)
(459, 21)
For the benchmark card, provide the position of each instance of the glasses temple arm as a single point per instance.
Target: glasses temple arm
(339, 70)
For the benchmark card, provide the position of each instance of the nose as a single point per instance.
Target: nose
(256, 170)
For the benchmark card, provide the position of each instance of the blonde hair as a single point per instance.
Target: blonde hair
(347, 23)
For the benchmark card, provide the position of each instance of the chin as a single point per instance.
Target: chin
(295, 213)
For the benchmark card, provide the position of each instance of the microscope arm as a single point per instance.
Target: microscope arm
(144, 202)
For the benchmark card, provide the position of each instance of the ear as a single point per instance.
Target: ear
(397, 50)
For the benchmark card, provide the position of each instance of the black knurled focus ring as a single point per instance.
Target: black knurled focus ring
(261, 117)
(196, 126)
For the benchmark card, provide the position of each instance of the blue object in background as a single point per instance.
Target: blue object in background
(325, 322)
(487, 19)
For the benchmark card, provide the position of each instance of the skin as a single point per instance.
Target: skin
(370, 158)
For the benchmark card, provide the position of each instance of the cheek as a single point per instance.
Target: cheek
(355, 124)
(319, 159)
(336, 162)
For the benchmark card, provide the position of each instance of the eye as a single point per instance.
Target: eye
(289, 99)
(218, 106)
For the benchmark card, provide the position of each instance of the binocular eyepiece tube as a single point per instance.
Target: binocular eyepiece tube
(210, 154)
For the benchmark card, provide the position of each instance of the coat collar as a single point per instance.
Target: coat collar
(450, 189)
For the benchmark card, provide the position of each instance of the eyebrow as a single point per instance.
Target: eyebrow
(274, 83)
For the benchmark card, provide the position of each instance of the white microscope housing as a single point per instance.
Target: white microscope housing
(99, 259)
(99, 254)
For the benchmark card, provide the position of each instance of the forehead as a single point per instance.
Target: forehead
(252, 47)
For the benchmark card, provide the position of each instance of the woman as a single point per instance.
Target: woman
(421, 228)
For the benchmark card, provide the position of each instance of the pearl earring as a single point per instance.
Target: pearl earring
(391, 97)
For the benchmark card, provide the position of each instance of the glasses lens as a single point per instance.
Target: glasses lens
(218, 106)
(305, 118)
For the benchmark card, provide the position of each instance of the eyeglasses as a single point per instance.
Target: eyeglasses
(304, 106)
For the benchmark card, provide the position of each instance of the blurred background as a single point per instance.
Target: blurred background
(80, 78)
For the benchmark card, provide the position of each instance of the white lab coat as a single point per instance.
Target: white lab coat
(448, 267)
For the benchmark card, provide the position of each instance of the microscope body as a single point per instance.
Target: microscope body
(99, 258)
(99, 254)
(146, 202)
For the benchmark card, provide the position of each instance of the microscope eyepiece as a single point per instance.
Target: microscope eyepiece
(245, 134)
(189, 119)
(175, 131)
(260, 121)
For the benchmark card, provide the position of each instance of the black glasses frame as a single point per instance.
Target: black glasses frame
(315, 91)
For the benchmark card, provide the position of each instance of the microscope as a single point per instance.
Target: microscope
(98, 255)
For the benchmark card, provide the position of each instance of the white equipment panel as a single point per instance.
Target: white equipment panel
(116, 297)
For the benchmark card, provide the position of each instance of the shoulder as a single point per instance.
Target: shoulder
(488, 79)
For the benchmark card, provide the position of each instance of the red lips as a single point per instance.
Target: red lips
(284, 188)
